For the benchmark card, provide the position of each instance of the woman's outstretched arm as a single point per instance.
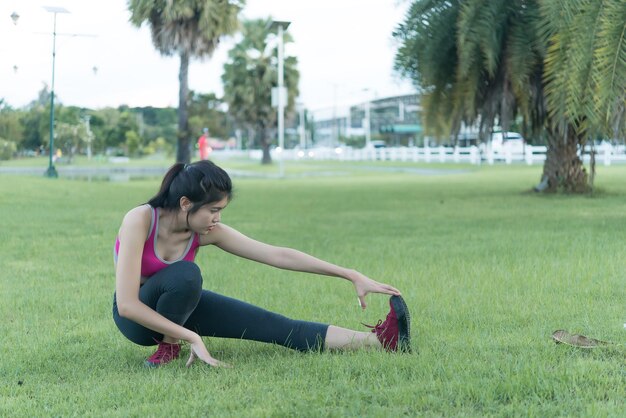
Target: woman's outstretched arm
(236, 243)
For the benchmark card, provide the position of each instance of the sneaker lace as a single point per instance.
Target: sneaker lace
(379, 325)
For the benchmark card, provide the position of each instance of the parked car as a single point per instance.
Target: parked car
(502, 142)
(378, 143)
(512, 141)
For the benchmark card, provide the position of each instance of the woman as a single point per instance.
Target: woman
(158, 290)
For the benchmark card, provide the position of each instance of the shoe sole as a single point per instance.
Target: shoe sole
(404, 323)
(146, 363)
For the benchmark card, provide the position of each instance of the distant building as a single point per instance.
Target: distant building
(329, 132)
(395, 120)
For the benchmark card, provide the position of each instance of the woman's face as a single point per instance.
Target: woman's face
(207, 217)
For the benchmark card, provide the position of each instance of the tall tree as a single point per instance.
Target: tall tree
(585, 77)
(187, 28)
(491, 67)
(475, 62)
(36, 120)
(250, 75)
(70, 138)
(10, 127)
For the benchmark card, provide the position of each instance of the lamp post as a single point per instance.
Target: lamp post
(367, 122)
(281, 26)
(302, 126)
(51, 171)
(86, 119)
(368, 130)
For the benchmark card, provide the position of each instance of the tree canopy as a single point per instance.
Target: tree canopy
(526, 58)
(473, 61)
(249, 76)
(585, 72)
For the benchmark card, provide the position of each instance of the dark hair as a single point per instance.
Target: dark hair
(201, 182)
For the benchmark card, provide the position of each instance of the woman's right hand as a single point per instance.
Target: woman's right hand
(199, 351)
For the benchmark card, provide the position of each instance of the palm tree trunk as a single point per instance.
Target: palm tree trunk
(563, 170)
(265, 145)
(251, 137)
(183, 154)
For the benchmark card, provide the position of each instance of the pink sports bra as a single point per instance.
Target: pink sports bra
(150, 260)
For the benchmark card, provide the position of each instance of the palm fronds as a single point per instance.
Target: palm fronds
(484, 71)
(585, 74)
(193, 26)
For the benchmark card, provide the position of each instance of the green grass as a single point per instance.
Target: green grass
(488, 271)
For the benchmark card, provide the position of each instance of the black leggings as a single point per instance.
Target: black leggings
(176, 293)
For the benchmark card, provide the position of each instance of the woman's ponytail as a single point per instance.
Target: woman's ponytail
(201, 182)
(160, 200)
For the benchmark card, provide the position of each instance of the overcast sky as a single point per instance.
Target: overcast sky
(343, 47)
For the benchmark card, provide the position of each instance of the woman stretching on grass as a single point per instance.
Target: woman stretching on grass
(159, 297)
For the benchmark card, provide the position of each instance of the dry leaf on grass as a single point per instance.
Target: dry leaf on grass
(563, 337)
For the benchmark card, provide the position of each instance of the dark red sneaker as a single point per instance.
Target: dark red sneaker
(165, 353)
(395, 332)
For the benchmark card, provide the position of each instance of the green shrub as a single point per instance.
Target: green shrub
(7, 149)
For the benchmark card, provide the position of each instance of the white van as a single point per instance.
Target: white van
(507, 141)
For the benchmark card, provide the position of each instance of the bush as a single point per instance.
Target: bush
(7, 149)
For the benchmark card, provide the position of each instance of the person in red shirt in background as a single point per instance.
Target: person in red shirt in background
(203, 144)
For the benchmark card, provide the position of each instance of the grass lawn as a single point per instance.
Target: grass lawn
(488, 270)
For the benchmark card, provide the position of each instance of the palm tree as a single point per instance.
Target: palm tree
(249, 77)
(187, 28)
(428, 56)
(501, 58)
(585, 77)
(487, 68)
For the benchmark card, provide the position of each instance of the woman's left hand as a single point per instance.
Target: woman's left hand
(364, 285)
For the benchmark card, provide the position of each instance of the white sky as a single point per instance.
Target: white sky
(343, 47)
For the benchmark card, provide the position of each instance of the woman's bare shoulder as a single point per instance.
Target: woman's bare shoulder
(138, 217)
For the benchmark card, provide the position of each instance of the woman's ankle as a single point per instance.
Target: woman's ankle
(338, 338)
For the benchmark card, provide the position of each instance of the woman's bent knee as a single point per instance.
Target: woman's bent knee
(188, 274)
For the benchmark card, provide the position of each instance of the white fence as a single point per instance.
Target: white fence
(606, 154)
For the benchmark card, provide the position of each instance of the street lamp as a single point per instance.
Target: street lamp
(281, 26)
(86, 119)
(52, 172)
(302, 126)
(367, 122)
